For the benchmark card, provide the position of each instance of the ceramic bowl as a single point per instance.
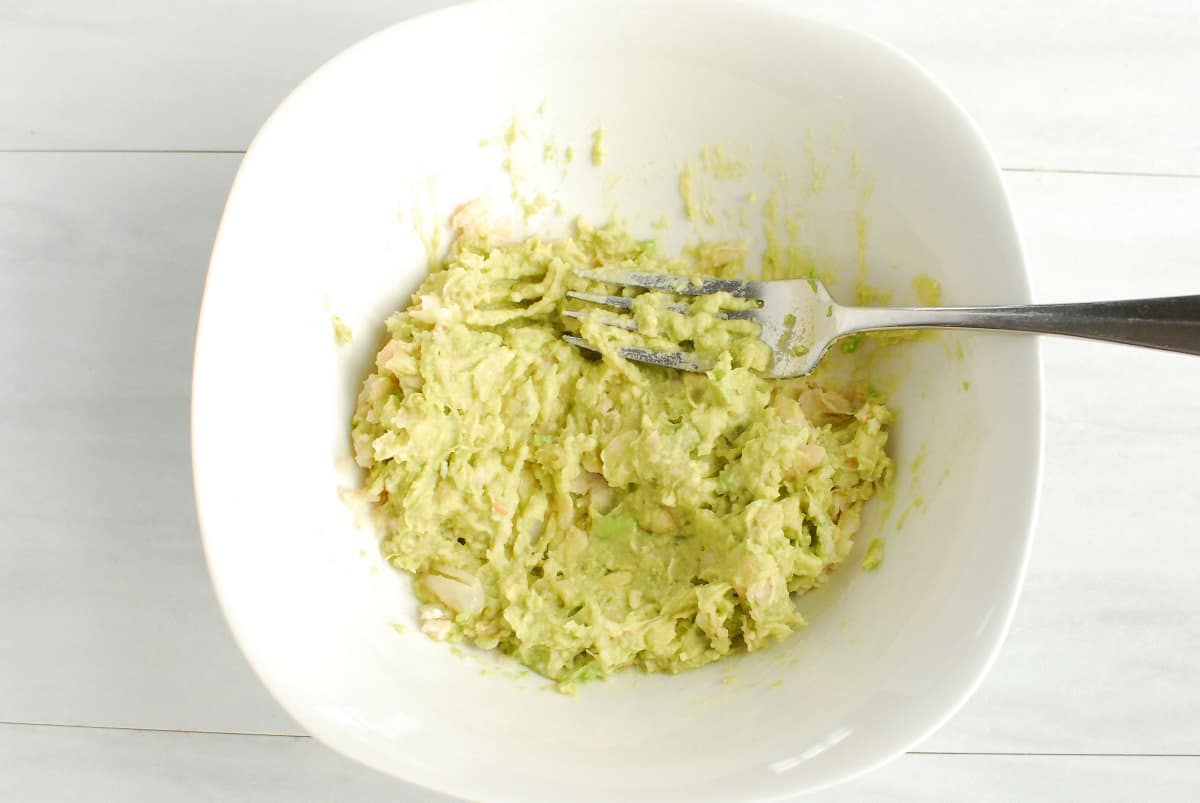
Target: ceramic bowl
(871, 167)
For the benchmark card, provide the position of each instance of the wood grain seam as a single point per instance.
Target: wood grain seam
(241, 152)
(947, 753)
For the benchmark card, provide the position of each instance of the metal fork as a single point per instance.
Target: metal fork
(799, 319)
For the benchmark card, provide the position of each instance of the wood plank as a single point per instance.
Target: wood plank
(1062, 85)
(44, 764)
(105, 610)
(55, 764)
(1030, 779)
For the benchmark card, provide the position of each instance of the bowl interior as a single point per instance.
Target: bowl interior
(868, 159)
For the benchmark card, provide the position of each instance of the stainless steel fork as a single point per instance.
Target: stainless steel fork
(799, 320)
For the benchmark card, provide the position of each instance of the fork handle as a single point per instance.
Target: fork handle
(1171, 324)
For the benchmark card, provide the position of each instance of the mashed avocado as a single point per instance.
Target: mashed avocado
(584, 514)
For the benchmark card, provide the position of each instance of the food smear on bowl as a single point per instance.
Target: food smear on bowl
(586, 514)
(342, 333)
(874, 556)
(598, 151)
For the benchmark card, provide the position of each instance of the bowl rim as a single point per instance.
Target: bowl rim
(1023, 288)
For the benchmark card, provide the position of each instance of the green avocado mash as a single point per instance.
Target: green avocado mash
(585, 514)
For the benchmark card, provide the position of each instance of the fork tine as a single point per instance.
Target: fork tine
(680, 360)
(579, 341)
(624, 302)
(683, 285)
(617, 302)
(740, 314)
(625, 322)
(667, 359)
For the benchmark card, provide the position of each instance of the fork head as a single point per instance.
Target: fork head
(796, 318)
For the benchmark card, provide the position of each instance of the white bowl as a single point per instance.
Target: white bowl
(312, 228)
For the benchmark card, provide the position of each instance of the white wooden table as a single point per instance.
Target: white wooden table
(121, 126)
